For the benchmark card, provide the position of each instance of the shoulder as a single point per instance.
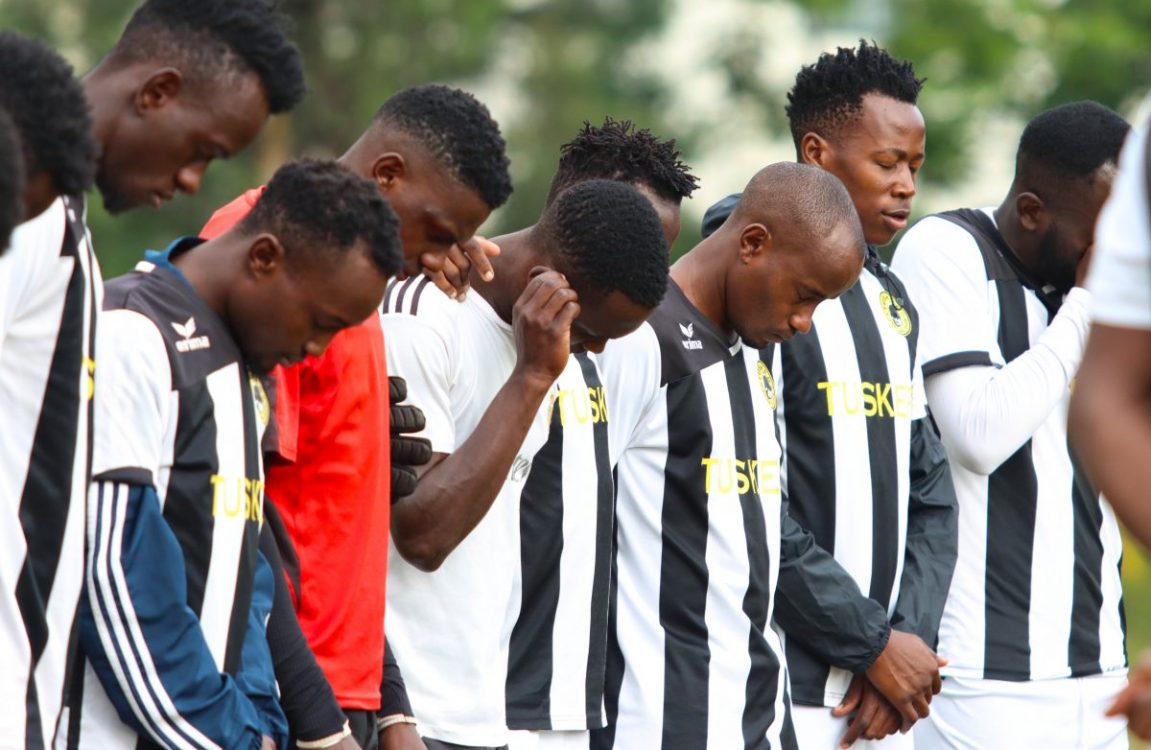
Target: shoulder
(131, 347)
(41, 239)
(937, 243)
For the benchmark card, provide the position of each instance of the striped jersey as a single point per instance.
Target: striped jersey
(1036, 593)
(485, 641)
(558, 643)
(693, 661)
(848, 393)
(50, 292)
(179, 414)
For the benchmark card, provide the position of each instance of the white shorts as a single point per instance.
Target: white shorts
(548, 740)
(817, 729)
(1064, 714)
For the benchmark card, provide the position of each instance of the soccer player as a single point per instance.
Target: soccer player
(177, 592)
(557, 651)
(157, 94)
(438, 157)
(48, 294)
(1033, 624)
(489, 375)
(1109, 426)
(694, 662)
(11, 179)
(863, 469)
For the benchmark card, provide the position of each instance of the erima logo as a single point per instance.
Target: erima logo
(689, 341)
(191, 342)
(520, 468)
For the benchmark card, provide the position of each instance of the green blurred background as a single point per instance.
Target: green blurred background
(711, 73)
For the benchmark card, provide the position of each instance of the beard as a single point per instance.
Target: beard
(1057, 263)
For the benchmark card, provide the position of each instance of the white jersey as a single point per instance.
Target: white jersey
(1036, 593)
(1120, 276)
(452, 629)
(694, 663)
(50, 292)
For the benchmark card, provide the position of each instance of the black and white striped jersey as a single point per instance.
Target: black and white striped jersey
(50, 292)
(849, 391)
(693, 661)
(558, 645)
(1036, 593)
(173, 524)
(511, 630)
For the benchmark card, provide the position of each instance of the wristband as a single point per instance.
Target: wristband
(328, 741)
(384, 722)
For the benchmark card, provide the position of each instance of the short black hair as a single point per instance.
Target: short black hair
(218, 36)
(11, 180)
(311, 205)
(459, 133)
(829, 94)
(1072, 140)
(608, 237)
(47, 106)
(618, 151)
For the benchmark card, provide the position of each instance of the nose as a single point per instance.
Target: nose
(317, 346)
(905, 182)
(190, 176)
(800, 322)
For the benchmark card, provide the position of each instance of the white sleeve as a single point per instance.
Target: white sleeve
(423, 351)
(132, 399)
(946, 279)
(985, 411)
(33, 250)
(631, 369)
(1120, 275)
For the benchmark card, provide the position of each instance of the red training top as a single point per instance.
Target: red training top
(331, 482)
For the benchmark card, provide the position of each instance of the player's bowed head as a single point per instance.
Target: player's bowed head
(793, 241)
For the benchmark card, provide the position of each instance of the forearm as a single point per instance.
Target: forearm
(305, 695)
(453, 496)
(986, 414)
(819, 605)
(141, 638)
(393, 693)
(932, 537)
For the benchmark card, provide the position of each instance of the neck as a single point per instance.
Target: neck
(701, 274)
(519, 254)
(1007, 220)
(205, 268)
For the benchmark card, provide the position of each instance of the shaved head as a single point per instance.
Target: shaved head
(798, 201)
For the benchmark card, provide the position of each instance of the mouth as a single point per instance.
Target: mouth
(159, 199)
(897, 219)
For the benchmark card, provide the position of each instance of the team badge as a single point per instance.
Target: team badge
(896, 314)
(766, 384)
(260, 399)
(90, 376)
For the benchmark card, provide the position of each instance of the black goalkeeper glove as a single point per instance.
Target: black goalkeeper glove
(407, 452)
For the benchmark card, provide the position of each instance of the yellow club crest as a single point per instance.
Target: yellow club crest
(260, 399)
(766, 384)
(896, 315)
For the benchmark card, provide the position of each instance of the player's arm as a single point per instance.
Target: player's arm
(395, 720)
(456, 490)
(819, 605)
(932, 537)
(985, 410)
(137, 631)
(313, 714)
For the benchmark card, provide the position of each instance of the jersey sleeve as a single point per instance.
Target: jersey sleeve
(33, 248)
(943, 270)
(133, 408)
(423, 351)
(1120, 275)
(631, 370)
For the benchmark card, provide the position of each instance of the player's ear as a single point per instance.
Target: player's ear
(265, 256)
(159, 90)
(388, 169)
(754, 240)
(1033, 214)
(814, 149)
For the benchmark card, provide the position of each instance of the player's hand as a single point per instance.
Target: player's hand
(267, 743)
(542, 320)
(347, 743)
(1134, 701)
(874, 718)
(401, 737)
(407, 452)
(907, 675)
(1084, 266)
(452, 274)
